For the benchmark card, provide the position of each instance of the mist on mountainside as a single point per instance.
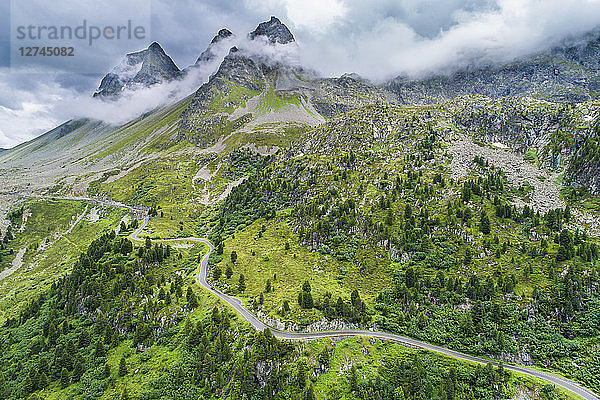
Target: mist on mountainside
(378, 41)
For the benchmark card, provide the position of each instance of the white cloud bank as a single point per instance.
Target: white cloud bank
(43, 106)
(42, 103)
(383, 39)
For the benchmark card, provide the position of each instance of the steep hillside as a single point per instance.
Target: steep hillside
(249, 103)
(394, 217)
(128, 322)
(76, 152)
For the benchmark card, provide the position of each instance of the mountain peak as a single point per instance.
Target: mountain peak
(274, 30)
(209, 53)
(141, 68)
(222, 34)
(156, 47)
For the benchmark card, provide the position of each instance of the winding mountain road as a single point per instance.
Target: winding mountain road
(258, 324)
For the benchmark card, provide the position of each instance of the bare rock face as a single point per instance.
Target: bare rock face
(333, 96)
(263, 372)
(587, 176)
(584, 162)
(274, 30)
(509, 121)
(140, 69)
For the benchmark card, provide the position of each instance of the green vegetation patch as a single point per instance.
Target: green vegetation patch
(50, 248)
(270, 251)
(532, 157)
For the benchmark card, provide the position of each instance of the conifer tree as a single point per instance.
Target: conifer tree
(123, 366)
(484, 223)
(241, 283)
(191, 298)
(64, 378)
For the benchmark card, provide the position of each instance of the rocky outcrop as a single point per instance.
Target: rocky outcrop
(568, 73)
(584, 162)
(513, 123)
(240, 69)
(203, 121)
(321, 325)
(334, 96)
(588, 176)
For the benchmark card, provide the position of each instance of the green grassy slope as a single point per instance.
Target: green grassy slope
(52, 241)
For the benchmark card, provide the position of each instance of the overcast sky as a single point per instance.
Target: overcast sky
(376, 39)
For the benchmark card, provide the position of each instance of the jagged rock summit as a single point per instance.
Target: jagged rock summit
(152, 65)
(142, 68)
(209, 53)
(222, 34)
(274, 30)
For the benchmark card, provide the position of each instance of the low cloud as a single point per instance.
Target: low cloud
(271, 54)
(26, 106)
(416, 38)
(133, 103)
(44, 103)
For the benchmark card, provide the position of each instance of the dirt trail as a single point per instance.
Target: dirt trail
(16, 264)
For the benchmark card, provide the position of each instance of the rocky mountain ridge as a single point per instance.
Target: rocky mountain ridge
(152, 66)
(209, 54)
(567, 73)
(274, 31)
